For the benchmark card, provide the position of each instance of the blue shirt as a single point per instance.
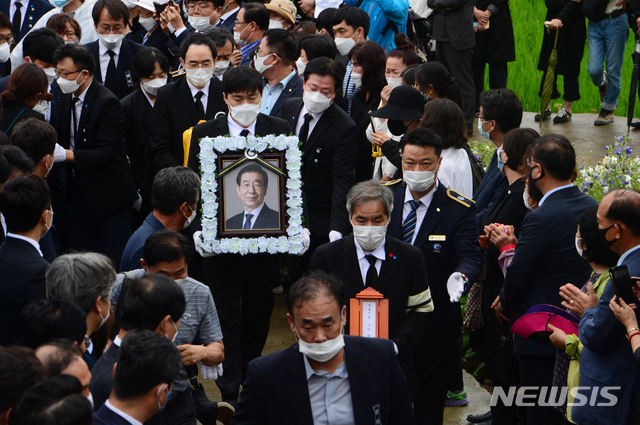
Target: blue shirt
(626, 254)
(247, 51)
(330, 395)
(349, 88)
(270, 95)
(133, 251)
(383, 16)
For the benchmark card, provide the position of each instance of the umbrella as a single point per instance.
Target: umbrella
(634, 85)
(547, 87)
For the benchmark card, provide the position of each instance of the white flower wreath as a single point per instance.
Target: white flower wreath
(290, 244)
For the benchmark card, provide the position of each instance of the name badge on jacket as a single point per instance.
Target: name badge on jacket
(438, 238)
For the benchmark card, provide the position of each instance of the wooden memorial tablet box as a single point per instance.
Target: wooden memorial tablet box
(369, 315)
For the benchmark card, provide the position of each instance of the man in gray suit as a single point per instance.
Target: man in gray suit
(453, 32)
(252, 183)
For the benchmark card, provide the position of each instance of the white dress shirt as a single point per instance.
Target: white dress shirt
(364, 263)
(312, 124)
(226, 16)
(204, 90)
(235, 129)
(455, 171)
(26, 239)
(123, 415)
(105, 58)
(23, 10)
(421, 211)
(4, 224)
(544, 198)
(255, 213)
(79, 106)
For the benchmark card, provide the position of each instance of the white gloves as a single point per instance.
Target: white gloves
(197, 240)
(211, 373)
(455, 286)
(306, 241)
(334, 235)
(59, 154)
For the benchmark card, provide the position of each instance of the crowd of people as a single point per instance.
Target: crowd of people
(113, 312)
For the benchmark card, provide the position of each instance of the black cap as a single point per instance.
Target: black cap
(405, 103)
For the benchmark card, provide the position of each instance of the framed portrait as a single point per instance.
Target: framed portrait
(251, 194)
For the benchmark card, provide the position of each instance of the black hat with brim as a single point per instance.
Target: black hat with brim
(405, 104)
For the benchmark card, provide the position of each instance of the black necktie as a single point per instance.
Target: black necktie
(199, 105)
(75, 120)
(17, 21)
(372, 273)
(244, 133)
(110, 78)
(304, 130)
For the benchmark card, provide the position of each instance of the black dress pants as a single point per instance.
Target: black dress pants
(458, 62)
(497, 77)
(537, 371)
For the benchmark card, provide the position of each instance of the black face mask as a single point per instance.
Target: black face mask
(397, 127)
(534, 181)
(603, 237)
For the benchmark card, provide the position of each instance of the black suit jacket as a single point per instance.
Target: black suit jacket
(106, 416)
(124, 66)
(276, 390)
(101, 167)
(102, 377)
(265, 125)
(449, 219)
(173, 113)
(328, 167)
(453, 22)
(157, 39)
(229, 22)
(14, 113)
(21, 282)
(268, 219)
(402, 280)
(292, 89)
(34, 11)
(492, 185)
(545, 259)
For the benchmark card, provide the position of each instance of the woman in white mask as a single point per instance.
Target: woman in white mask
(282, 14)
(398, 60)
(150, 71)
(314, 46)
(27, 87)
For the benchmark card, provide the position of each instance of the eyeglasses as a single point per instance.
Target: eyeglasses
(65, 74)
(8, 40)
(200, 6)
(480, 117)
(530, 162)
(71, 36)
(236, 23)
(118, 29)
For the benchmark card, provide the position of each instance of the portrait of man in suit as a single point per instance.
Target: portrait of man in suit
(252, 184)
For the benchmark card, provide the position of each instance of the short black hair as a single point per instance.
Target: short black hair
(17, 160)
(284, 43)
(625, 208)
(61, 354)
(148, 300)
(55, 318)
(318, 45)
(325, 66)
(354, 17)
(41, 45)
(436, 75)
(593, 248)
(258, 13)
(409, 74)
(556, 155)
(35, 137)
(115, 8)
(5, 22)
(313, 285)
(57, 400)
(325, 21)
(503, 107)
(173, 187)
(145, 61)
(220, 36)
(81, 57)
(198, 40)
(253, 168)
(422, 137)
(22, 202)
(517, 144)
(20, 369)
(145, 359)
(242, 79)
(166, 246)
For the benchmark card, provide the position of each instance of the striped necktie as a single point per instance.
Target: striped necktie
(409, 225)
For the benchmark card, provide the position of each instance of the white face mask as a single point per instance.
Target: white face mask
(199, 77)
(200, 23)
(275, 25)
(221, 67)
(174, 325)
(246, 113)
(152, 86)
(394, 81)
(301, 66)
(580, 250)
(316, 102)
(68, 86)
(525, 198)
(357, 79)
(237, 39)
(148, 23)
(51, 74)
(190, 218)
(5, 51)
(322, 351)
(419, 181)
(258, 62)
(104, 319)
(369, 237)
(42, 107)
(345, 45)
(110, 41)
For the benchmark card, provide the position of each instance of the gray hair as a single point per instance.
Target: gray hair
(173, 187)
(368, 191)
(81, 277)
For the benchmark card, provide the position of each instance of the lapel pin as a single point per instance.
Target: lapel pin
(437, 209)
